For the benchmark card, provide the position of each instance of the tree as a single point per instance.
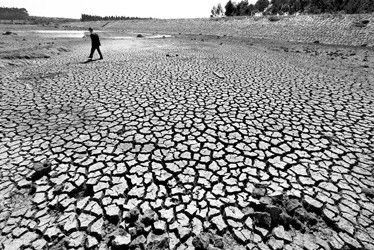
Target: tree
(220, 11)
(279, 6)
(213, 11)
(13, 13)
(230, 8)
(359, 6)
(261, 5)
(217, 10)
(242, 8)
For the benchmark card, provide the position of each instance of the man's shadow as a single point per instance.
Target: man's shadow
(93, 60)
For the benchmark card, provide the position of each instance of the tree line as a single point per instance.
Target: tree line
(243, 8)
(85, 18)
(13, 13)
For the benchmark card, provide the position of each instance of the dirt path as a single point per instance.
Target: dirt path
(184, 144)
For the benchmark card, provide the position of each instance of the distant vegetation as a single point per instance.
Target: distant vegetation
(13, 13)
(21, 16)
(296, 6)
(86, 18)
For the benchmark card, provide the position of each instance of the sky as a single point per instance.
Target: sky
(138, 8)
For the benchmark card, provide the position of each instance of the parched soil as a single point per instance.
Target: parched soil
(190, 142)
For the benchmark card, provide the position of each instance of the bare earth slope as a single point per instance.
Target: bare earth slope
(327, 29)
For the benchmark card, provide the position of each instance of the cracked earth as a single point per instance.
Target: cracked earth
(173, 144)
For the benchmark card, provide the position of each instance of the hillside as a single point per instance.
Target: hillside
(328, 29)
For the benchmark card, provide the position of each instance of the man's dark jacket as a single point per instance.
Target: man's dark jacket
(95, 40)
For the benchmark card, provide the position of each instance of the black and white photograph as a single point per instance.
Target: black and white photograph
(187, 125)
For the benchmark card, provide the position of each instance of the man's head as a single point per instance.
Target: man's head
(90, 30)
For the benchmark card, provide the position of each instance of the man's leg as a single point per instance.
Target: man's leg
(92, 52)
(99, 51)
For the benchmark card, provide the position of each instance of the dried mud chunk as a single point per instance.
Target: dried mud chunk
(291, 205)
(275, 244)
(148, 218)
(159, 227)
(369, 192)
(91, 242)
(259, 192)
(139, 242)
(219, 223)
(280, 233)
(121, 241)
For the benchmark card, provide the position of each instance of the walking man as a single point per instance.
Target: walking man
(95, 44)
